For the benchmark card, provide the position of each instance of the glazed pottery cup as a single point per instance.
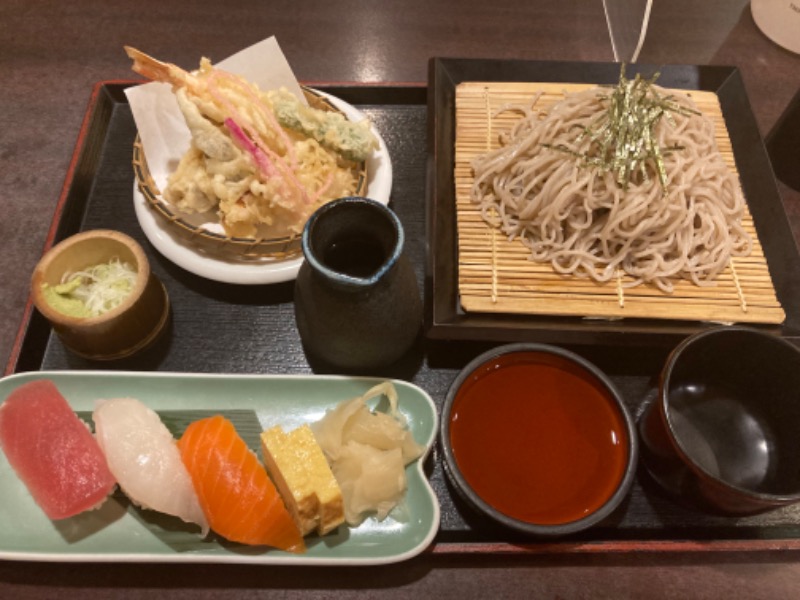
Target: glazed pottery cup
(357, 301)
(123, 330)
(538, 439)
(723, 435)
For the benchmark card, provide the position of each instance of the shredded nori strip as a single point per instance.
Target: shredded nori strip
(623, 136)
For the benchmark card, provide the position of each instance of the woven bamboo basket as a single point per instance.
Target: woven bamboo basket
(495, 275)
(221, 244)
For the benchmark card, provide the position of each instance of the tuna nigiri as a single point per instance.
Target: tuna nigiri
(143, 456)
(52, 451)
(235, 492)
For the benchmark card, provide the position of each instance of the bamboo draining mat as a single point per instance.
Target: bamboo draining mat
(495, 275)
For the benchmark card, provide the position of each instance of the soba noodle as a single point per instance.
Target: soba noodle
(538, 187)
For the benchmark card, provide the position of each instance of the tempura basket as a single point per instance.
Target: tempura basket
(220, 244)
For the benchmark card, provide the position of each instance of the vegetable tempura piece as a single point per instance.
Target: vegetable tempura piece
(354, 141)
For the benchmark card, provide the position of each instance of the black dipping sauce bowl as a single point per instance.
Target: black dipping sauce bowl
(538, 439)
(723, 435)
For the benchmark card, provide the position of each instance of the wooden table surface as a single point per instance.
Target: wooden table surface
(51, 55)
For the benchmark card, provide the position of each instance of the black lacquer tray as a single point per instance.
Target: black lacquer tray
(224, 328)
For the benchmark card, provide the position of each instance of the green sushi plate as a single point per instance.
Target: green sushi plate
(118, 531)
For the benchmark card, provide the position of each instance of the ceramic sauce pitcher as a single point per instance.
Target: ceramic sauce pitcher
(357, 302)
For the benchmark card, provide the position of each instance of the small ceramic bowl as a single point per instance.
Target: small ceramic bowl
(723, 435)
(538, 439)
(121, 331)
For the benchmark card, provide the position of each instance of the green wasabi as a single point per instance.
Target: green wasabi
(93, 291)
(59, 297)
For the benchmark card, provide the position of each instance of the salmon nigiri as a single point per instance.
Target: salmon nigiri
(235, 492)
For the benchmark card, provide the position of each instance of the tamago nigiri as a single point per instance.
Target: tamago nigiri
(239, 500)
(144, 458)
(52, 451)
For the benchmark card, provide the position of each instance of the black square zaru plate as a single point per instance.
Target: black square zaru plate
(446, 320)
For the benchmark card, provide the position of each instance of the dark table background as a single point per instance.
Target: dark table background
(52, 54)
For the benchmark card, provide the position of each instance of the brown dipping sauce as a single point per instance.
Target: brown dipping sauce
(538, 438)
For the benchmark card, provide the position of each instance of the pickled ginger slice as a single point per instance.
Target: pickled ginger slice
(235, 492)
(52, 451)
(368, 452)
(144, 457)
(373, 481)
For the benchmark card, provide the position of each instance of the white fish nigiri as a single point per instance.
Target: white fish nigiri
(144, 457)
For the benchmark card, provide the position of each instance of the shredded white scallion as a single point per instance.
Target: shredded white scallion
(103, 287)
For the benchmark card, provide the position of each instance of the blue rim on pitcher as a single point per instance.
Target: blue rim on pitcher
(393, 250)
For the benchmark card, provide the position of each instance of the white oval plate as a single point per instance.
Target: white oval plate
(266, 270)
(120, 532)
